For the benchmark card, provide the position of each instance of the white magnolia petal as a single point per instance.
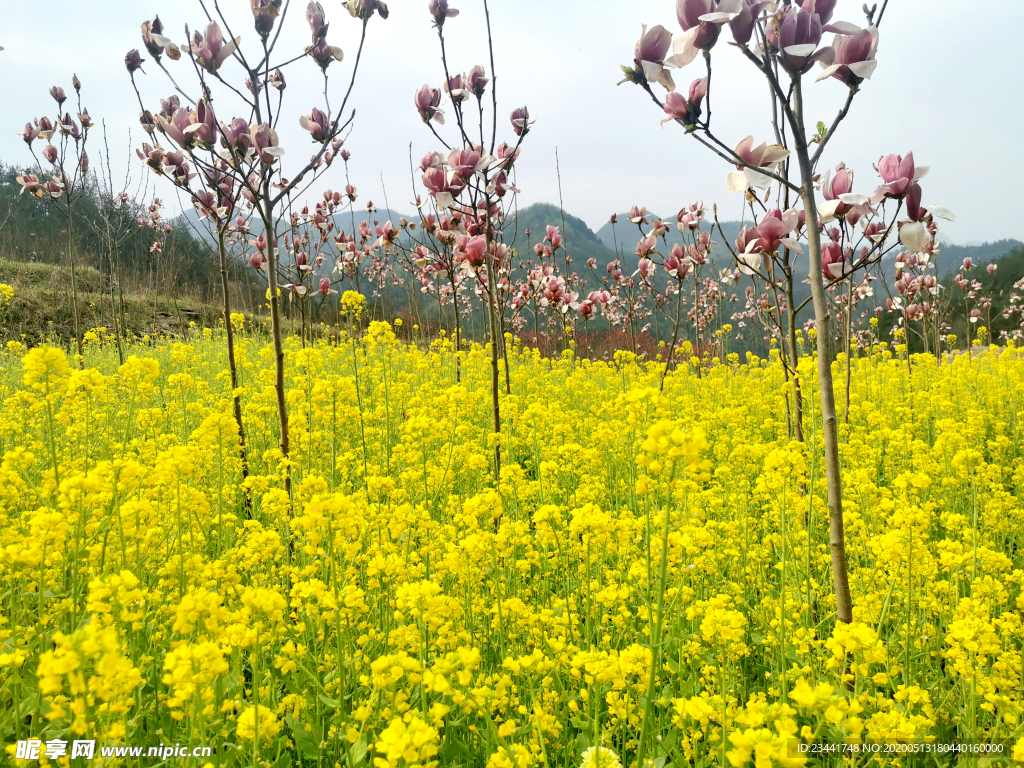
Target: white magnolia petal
(665, 79)
(827, 209)
(757, 179)
(732, 7)
(736, 181)
(274, 151)
(853, 198)
(444, 199)
(942, 212)
(793, 245)
(842, 28)
(800, 50)
(829, 71)
(718, 17)
(864, 69)
(683, 49)
(162, 41)
(920, 172)
(652, 70)
(913, 235)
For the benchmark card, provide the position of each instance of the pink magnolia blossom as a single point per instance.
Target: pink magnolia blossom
(440, 11)
(265, 14)
(686, 109)
(833, 259)
(318, 125)
(476, 81)
(703, 19)
(649, 55)
(798, 40)
(899, 172)
(133, 61)
(742, 26)
(767, 156)
(521, 122)
(264, 142)
(427, 101)
(209, 49)
(852, 57)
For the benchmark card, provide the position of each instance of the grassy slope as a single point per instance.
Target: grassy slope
(42, 304)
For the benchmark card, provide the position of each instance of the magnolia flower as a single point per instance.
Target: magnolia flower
(202, 124)
(686, 109)
(476, 81)
(30, 134)
(154, 40)
(742, 26)
(440, 11)
(768, 156)
(58, 95)
(637, 215)
(833, 260)
(427, 101)
(30, 183)
(50, 154)
(649, 55)
(840, 199)
(133, 61)
(466, 162)
(798, 40)
(209, 49)
(264, 141)
(264, 14)
(364, 9)
(317, 124)
(898, 173)
(83, 162)
(317, 21)
(235, 136)
(704, 18)
(521, 122)
(852, 57)
(325, 286)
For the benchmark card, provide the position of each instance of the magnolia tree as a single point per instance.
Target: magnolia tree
(233, 168)
(783, 45)
(117, 210)
(464, 216)
(68, 162)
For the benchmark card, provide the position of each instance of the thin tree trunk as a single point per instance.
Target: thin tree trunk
(849, 361)
(74, 286)
(675, 336)
(798, 396)
(492, 314)
(829, 426)
(275, 323)
(231, 362)
(113, 311)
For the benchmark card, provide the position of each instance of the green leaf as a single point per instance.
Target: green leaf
(332, 703)
(357, 752)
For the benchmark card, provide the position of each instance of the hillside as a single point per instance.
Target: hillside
(42, 305)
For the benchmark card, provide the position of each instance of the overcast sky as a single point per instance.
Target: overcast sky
(946, 87)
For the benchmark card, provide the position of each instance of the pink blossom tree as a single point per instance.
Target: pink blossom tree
(783, 43)
(243, 155)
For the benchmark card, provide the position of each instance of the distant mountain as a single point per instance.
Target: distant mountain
(580, 241)
(627, 234)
